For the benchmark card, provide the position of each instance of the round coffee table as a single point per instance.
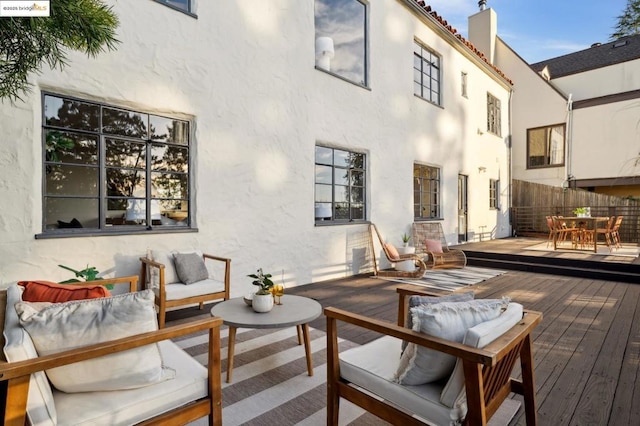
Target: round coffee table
(295, 311)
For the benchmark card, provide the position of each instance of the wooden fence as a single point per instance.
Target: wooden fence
(532, 202)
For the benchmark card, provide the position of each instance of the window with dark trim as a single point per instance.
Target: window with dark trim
(493, 193)
(494, 119)
(340, 185)
(426, 192)
(426, 73)
(341, 39)
(545, 146)
(181, 5)
(108, 169)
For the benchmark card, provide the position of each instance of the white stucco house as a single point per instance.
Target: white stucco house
(575, 117)
(269, 132)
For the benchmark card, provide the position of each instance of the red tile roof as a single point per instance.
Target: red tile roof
(464, 41)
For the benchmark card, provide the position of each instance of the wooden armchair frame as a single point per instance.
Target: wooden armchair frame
(487, 371)
(420, 265)
(14, 376)
(161, 295)
(449, 258)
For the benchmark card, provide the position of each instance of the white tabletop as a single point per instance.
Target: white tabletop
(294, 310)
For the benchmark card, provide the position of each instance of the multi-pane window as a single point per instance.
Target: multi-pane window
(340, 185)
(341, 38)
(493, 193)
(184, 5)
(426, 192)
(426, 73)
(545, 146)
(494, 121)
(112, 169)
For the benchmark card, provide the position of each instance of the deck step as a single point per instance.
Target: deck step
(568, 267)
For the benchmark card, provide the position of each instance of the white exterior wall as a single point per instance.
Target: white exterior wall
(244, 72)
(535, 104)
(606, 141)
(618, 78)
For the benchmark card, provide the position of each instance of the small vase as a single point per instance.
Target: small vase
(262, 302)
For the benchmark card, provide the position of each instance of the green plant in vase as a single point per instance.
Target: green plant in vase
(405, 239)
(263, 281)
(263, 299)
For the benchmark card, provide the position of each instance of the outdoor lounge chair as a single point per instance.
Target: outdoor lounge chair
(479, 384)
(393, 256)
(160, 271)
(430, 243)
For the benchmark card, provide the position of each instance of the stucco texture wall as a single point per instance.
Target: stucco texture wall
(243, 73)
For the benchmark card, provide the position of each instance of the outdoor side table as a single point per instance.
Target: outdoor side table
(295, 311)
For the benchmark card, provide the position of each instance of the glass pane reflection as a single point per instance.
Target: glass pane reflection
(344, 22)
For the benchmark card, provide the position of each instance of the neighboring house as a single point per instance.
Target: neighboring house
(575, 118)
(270, 132)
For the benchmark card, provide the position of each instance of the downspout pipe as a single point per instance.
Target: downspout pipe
(510, 165)
(569, 140)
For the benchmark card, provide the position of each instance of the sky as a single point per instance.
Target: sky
(540, 29)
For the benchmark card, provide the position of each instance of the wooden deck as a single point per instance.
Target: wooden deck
(587, 349)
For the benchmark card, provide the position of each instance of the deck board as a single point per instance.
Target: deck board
(586, 350)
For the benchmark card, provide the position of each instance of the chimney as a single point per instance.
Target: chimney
(483, 29)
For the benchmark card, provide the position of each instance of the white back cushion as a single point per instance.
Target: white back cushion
(41, 409)
(447, 320)
(479, 337)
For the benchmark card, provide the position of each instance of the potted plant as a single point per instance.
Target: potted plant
(405, 239)
(580, 211)
(262, 299)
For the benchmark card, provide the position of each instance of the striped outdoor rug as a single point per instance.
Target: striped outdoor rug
(270, 381)
(450, 279)
(271, 385)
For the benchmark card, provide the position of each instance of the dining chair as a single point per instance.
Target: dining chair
(615, 232)
(607, 232)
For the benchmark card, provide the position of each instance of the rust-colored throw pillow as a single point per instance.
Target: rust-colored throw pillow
(393, 251)
(46, 291)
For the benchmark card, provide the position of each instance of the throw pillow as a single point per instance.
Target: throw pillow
(415, 301)
(479, 337)
(64, 326)
(166, 258)
(393, 252)
(447, 320)
(190, 267)
(45, 291)
(434, 246)
(75, 223)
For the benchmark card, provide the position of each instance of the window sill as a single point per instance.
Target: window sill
(360, 85)
(96, 233)
(321, 223)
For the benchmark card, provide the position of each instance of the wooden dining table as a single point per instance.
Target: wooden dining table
(590, 225)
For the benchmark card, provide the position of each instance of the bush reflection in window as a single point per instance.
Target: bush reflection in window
(104, 165)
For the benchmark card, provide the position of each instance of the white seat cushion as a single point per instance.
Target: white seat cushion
(363, 367)
(180, 291)
(135, 405)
